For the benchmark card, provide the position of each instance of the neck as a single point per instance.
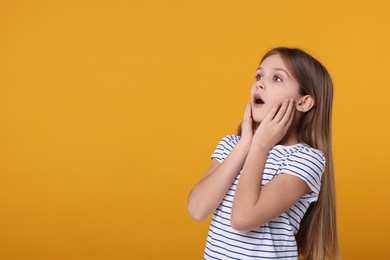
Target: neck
(291, 137)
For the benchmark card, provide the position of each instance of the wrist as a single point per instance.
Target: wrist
(261, 147)
(243, 145)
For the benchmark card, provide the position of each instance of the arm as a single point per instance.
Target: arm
(212, 188)
(254, 206)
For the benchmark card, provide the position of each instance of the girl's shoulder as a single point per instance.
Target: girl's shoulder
(231, 139)
(300, 149)
(228, 142)
(224, 147)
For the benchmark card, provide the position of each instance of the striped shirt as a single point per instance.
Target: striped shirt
(275, 239)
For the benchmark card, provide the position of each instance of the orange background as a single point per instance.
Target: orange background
(109, 111)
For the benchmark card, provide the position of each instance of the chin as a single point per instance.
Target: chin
(257, 119)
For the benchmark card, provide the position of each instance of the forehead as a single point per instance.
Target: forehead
(273, 61)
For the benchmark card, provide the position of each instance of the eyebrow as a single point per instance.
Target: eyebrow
(285, 71)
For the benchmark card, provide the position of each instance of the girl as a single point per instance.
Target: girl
(271, 186)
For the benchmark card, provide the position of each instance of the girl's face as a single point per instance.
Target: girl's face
(274, 83)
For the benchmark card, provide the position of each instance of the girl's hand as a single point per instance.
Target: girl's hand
(247, 126)
(275, 125)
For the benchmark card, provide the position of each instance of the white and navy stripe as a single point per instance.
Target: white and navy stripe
(275, 239)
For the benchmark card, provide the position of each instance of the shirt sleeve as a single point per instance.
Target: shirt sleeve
(308, 165)
(224, 147)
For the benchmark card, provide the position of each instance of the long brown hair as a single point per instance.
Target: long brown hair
(317, 235)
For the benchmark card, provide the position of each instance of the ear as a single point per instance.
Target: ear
(305, 103)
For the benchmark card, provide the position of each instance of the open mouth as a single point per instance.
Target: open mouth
(257, 100)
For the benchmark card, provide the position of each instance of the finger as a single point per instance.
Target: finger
(272, 113)
(282, 111)
(289, 115)
(247, 121)
(248, 112)
(246, 125)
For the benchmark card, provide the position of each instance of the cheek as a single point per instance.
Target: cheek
(253, 88)
(286, 96)
(258, 114)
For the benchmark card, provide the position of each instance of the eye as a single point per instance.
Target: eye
(277, 78)
(258, 77)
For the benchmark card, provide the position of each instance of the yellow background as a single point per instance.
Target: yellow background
(109, 111)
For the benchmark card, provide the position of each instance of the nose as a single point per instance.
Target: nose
(260, 85)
